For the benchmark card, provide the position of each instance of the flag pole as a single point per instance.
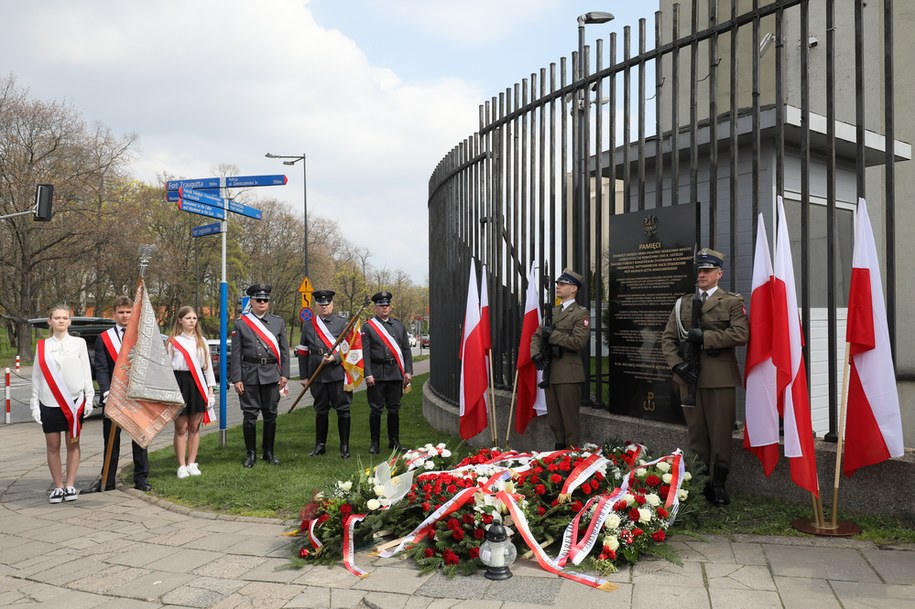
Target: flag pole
(108, 450)
(842, 411)
(493, 424)
(511, 409)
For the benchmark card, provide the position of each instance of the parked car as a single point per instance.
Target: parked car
(213, 344)
(412, 340)
(424, 341)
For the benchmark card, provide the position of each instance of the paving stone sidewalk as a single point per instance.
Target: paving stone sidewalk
(123, 549)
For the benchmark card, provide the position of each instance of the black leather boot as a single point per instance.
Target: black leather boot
(394, 430)
(719, 493)
(343, 427)
(320, 435)
(375, 430)
(269, 438)
(250, 445)
(559, 446)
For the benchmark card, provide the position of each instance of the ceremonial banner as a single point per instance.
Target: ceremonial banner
(144, 395)
(353, 364)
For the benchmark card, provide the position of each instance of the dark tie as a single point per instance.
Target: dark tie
(704, 296)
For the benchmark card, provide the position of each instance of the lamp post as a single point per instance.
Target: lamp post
(292, 160)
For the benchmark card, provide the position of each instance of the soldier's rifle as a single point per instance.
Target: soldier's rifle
(340, 339)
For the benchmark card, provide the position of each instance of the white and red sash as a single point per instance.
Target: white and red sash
(190, 358)
(258, 327)
(388, 341)
(72, 407)
(323, 332)
(112, 340)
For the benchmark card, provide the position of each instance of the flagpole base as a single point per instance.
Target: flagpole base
(843, 528)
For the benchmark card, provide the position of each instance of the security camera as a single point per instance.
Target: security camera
(812, 42)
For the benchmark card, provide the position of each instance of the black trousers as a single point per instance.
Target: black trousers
(331, 395)
(140, 456)
(385, 394)
(259, 399)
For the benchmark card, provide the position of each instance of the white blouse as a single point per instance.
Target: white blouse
(203, 358)
(73, 357)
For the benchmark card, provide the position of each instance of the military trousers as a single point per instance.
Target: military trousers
(711, 424)
(563, 402)
(385, 394)
(259, 399)
(331, 395)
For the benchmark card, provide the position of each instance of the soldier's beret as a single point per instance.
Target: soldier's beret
(709, 259)
(324, 296)
(382, 298)
(259, 290)
(571, 277)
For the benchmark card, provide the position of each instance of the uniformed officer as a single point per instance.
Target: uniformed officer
(566, 337)
(724, 326)
(259, 368)
(319, 336)
(388, 369)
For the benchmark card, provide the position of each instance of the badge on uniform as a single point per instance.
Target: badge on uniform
(586, 322)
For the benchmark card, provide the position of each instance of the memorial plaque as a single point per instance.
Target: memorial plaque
(650, 266)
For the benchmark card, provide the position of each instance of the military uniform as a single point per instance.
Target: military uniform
(384, 366)
(254, 363)
(327, 387)
(724, 326)
(570, 334)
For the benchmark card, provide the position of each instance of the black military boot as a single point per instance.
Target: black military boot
(719, 494)
(269, 438)
(559, 446)
(343, 424)
(320, 435)
(250, 445)
(394, 431)
(375, 430)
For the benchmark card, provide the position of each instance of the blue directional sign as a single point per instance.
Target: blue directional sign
(206, 198)
(247, 181)
(206, 229)
(199, 208)
(196, 184)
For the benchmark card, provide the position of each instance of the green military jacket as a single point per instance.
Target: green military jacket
(571, 334)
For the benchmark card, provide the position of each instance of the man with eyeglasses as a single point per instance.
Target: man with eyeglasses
(258, 369)
(318, 336)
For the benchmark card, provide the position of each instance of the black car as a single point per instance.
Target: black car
(87, 328)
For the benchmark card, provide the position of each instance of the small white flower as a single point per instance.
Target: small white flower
(687, 476)
(373, 504)
(428, 446)
(440, 445)
(666, 478)
(612, 522)
(445, 453)
(629, 498)
(664, 466)
(644, 515)
(683, 494)
(345, 486)
(429, 465)
(419, 463)
(653, 500)
(379, 490)
(641, 472)
(612, 542)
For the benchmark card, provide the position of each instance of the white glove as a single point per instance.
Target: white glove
(36, 414)
(87, 409)
(211, 401)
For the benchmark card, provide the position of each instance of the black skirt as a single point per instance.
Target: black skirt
(193, 401)
(53, 419)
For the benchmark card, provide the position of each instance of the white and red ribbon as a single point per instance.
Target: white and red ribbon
(349, 552)
(388, 341)
(258, 327)
(190, 358)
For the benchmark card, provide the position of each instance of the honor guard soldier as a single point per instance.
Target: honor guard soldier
(723, 326)
(258, 369)
(388, 369)
(564, 332)
(319, 337)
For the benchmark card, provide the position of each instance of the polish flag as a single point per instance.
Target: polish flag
(474, 380)
(485, 324)
(873, 422)
(787, 355)
(760, 433)
(531, 398)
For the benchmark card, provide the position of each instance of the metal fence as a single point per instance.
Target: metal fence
(625, 127)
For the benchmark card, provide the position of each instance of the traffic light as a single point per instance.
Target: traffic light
(44, 195)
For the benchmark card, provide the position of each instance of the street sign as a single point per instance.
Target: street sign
(246, 181)
(306, 286)
(172, 195)
(197, 184)
(199, 208)
(245, 304)
(306, 314)
(216, 201)
(206, 229)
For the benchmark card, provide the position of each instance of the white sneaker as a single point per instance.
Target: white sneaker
(70, 494)
(183, 472)
(193, 470)
(56, 496)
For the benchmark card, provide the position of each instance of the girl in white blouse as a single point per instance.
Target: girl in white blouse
(194, 373)
(62, 394)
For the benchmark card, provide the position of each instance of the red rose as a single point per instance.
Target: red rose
(576, 506)
(652, 480)
(426, 506)
(662, 513)
(346, 509)
(598, 476)
(450, 557)
(565, 465)
(555, 478)
(457, 534)
(468, 518)
(637, 532)
(640, 499)
(659, 535)
(535, 478)
(664, 491)
(453, 523)
(620, 505)
(303, 552)
(611, 554)
(479, 533)
(452, 489)
(586, 488)
(474, 553)
(541, 510)
(554, 503)
(539, 490)
(429, 552)
(634, 515)
(486, 518)
(538, 469)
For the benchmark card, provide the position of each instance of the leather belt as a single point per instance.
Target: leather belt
(263, 361)
(390, 361)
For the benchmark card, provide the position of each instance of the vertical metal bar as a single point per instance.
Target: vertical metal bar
(754, 146)
(713, 127)
(859, 99)
(587, 288)
(805, 181)
(693, 119)
(733, 149)
(641, 116)
(548, 249)
(659, 135)
(627, 94)
(779, 102)
(564, 186)
(675, 109)
(831, 297)
(890, 168)
(611, 131)
(598, 286)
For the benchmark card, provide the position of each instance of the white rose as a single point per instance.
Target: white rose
(373, 504)
(445, 453)
(379, 490)
(429, 465)
(664, 466)
(612, 522)
(687, 476)
(666, 478)
(440, 445)
(629, 498)
(683, 494)
(612, 542)
(345, 486)
(641, 472)
(419, 463)
(644, 515)
(653, 500)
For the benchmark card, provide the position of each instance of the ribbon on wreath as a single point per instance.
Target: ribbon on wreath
(349, 552)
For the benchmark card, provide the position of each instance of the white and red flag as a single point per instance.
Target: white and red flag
(531, 398)
(485, 324)
(760, 433)
(474, 379)
(873, 425)
(788, 357)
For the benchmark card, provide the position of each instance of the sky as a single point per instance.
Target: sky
(373, 93)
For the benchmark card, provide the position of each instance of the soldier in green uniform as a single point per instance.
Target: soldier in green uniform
(724, 326)
(566, 337)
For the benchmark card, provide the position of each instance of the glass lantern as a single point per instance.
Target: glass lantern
(497, 552)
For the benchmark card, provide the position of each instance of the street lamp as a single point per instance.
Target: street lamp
(293, 160)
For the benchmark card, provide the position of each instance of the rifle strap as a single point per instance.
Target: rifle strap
(680, 327)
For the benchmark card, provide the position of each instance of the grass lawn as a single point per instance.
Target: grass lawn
(263, 490)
